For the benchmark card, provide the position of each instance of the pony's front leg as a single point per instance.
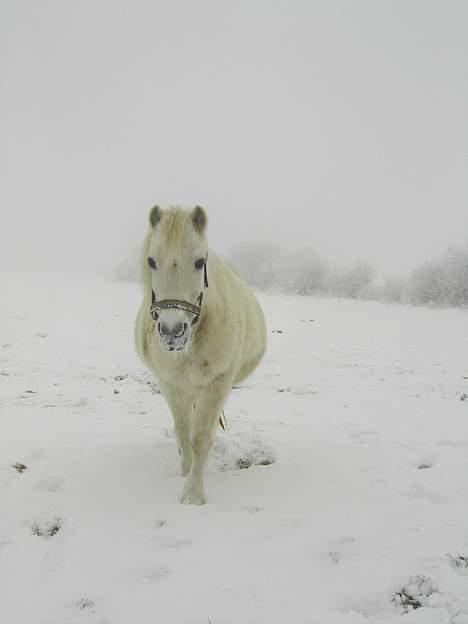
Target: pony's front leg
(181, 406)
(208, 407)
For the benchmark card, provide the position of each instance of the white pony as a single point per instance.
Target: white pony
(200, 330)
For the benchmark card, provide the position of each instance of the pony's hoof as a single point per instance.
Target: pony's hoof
(193, 497)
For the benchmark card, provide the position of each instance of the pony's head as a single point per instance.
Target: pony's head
(175, 270)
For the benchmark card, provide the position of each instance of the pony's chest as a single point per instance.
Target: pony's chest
(185, 370)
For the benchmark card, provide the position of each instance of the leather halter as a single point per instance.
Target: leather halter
(178, 304)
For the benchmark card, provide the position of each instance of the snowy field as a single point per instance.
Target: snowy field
(337, 495)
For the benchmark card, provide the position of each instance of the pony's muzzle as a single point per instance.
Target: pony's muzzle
(172, 332)
(173, 337)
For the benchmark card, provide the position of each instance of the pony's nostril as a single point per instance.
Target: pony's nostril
(179, 330)
(163, 329)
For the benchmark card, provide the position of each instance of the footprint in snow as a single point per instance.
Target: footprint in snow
(88, 612)
(85, 603)
(338, 546)
(47, 529)
(419, 591)
(241, 451)
(426, 460)
(160, 523)
(459, 562)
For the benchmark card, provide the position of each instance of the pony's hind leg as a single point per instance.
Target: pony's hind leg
(209, 405)
(181, 406)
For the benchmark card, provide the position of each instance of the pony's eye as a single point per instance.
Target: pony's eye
(200, 263)
(152, 263)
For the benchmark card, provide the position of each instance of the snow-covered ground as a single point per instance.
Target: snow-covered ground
(338, 494)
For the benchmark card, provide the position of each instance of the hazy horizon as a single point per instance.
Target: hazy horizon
(337, 125)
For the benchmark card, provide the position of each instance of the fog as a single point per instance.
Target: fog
(337, 125)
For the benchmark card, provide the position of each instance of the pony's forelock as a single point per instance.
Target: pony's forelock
(174, 227)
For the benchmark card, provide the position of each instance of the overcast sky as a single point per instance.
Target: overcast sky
(342, 125)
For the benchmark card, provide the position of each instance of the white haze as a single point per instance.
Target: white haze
(340, 125)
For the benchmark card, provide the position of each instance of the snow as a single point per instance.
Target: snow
(337, 495)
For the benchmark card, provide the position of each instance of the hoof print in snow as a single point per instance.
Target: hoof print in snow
(245, 462)
(47, 529)
(459, 561)
(415, 594)
(159, 524)
(277, 331)
(242, 451)
(120, 377)
(424, 466)
(19, 467)
(84, 603)
(464, 397)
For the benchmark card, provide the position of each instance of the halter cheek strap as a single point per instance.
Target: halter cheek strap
(177, 304)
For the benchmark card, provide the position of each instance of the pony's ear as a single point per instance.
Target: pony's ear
(155, 216)
(199, 219)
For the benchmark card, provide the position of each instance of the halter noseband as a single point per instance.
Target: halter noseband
(177, 304)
